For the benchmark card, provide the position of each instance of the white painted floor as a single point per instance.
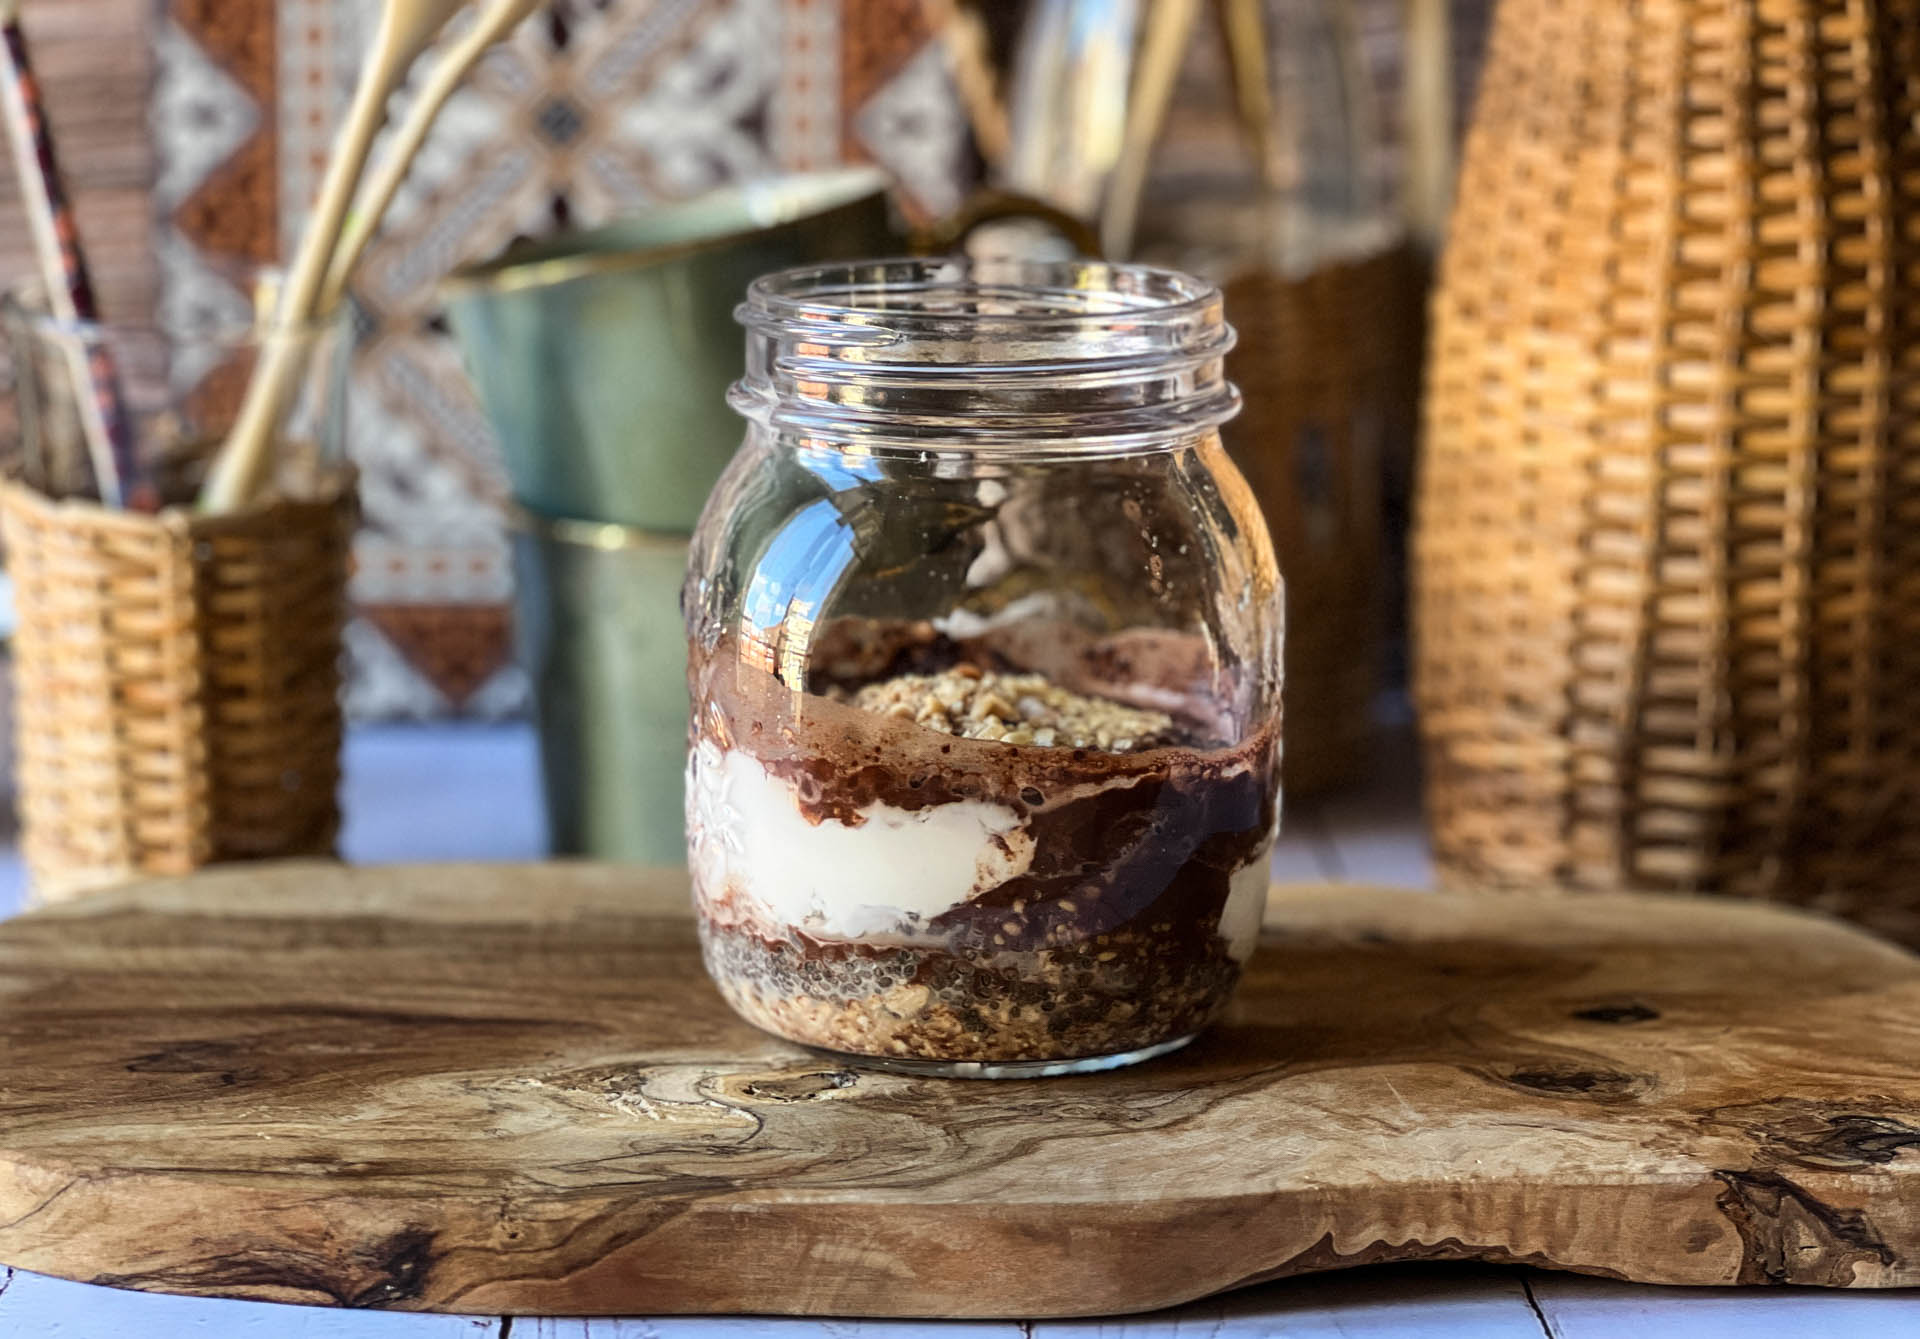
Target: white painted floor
(469, 792)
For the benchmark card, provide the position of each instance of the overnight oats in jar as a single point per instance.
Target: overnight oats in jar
(984, 653)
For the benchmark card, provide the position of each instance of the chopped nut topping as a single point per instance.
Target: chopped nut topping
(1013, 709)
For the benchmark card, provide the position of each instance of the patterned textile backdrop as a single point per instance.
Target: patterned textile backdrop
(596, 107)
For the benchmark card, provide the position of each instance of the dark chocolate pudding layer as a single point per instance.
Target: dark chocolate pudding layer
(1133, 872)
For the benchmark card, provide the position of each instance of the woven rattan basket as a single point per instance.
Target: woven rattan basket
(177, 684)
(1668, 549)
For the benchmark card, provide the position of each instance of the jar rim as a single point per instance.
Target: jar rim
(984, 352)
(808, 292)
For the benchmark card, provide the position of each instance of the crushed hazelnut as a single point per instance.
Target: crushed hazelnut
(1013, 709)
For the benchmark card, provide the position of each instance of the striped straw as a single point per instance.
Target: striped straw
(70, 294)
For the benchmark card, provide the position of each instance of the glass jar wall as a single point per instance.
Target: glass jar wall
(984, 656)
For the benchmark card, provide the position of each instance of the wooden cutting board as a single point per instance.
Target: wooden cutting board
(510, 1089)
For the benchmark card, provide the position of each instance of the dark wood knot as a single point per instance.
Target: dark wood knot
(1838, 1140)
(1617, 1013)
(400, 1265)
(1790, 1235)
(1576, 1081)
(805, 1087)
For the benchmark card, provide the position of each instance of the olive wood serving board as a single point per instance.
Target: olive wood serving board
(510, 1089)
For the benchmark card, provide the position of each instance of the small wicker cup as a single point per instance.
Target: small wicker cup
(177, 682)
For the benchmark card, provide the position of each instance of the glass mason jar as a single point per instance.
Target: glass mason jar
(985, 665)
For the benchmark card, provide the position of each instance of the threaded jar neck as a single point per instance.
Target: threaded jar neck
(993, 354)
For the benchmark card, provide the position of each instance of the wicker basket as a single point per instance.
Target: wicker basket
(1668, 553)
(1325, 410)
(177, 684)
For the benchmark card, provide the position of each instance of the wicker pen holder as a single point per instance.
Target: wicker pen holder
(177, 683)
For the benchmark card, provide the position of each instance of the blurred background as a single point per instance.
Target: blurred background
(194, 132)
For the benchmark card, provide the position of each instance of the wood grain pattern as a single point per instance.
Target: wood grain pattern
(510, 1089)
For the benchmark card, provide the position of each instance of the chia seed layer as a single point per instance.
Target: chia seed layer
(1102, 996)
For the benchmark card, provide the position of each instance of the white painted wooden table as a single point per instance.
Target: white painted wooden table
(467, 792)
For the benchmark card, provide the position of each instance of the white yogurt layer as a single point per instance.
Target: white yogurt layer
(886, 876)
(1246, 907)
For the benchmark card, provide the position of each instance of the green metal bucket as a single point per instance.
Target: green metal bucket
(597, 619)
(603, 358)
